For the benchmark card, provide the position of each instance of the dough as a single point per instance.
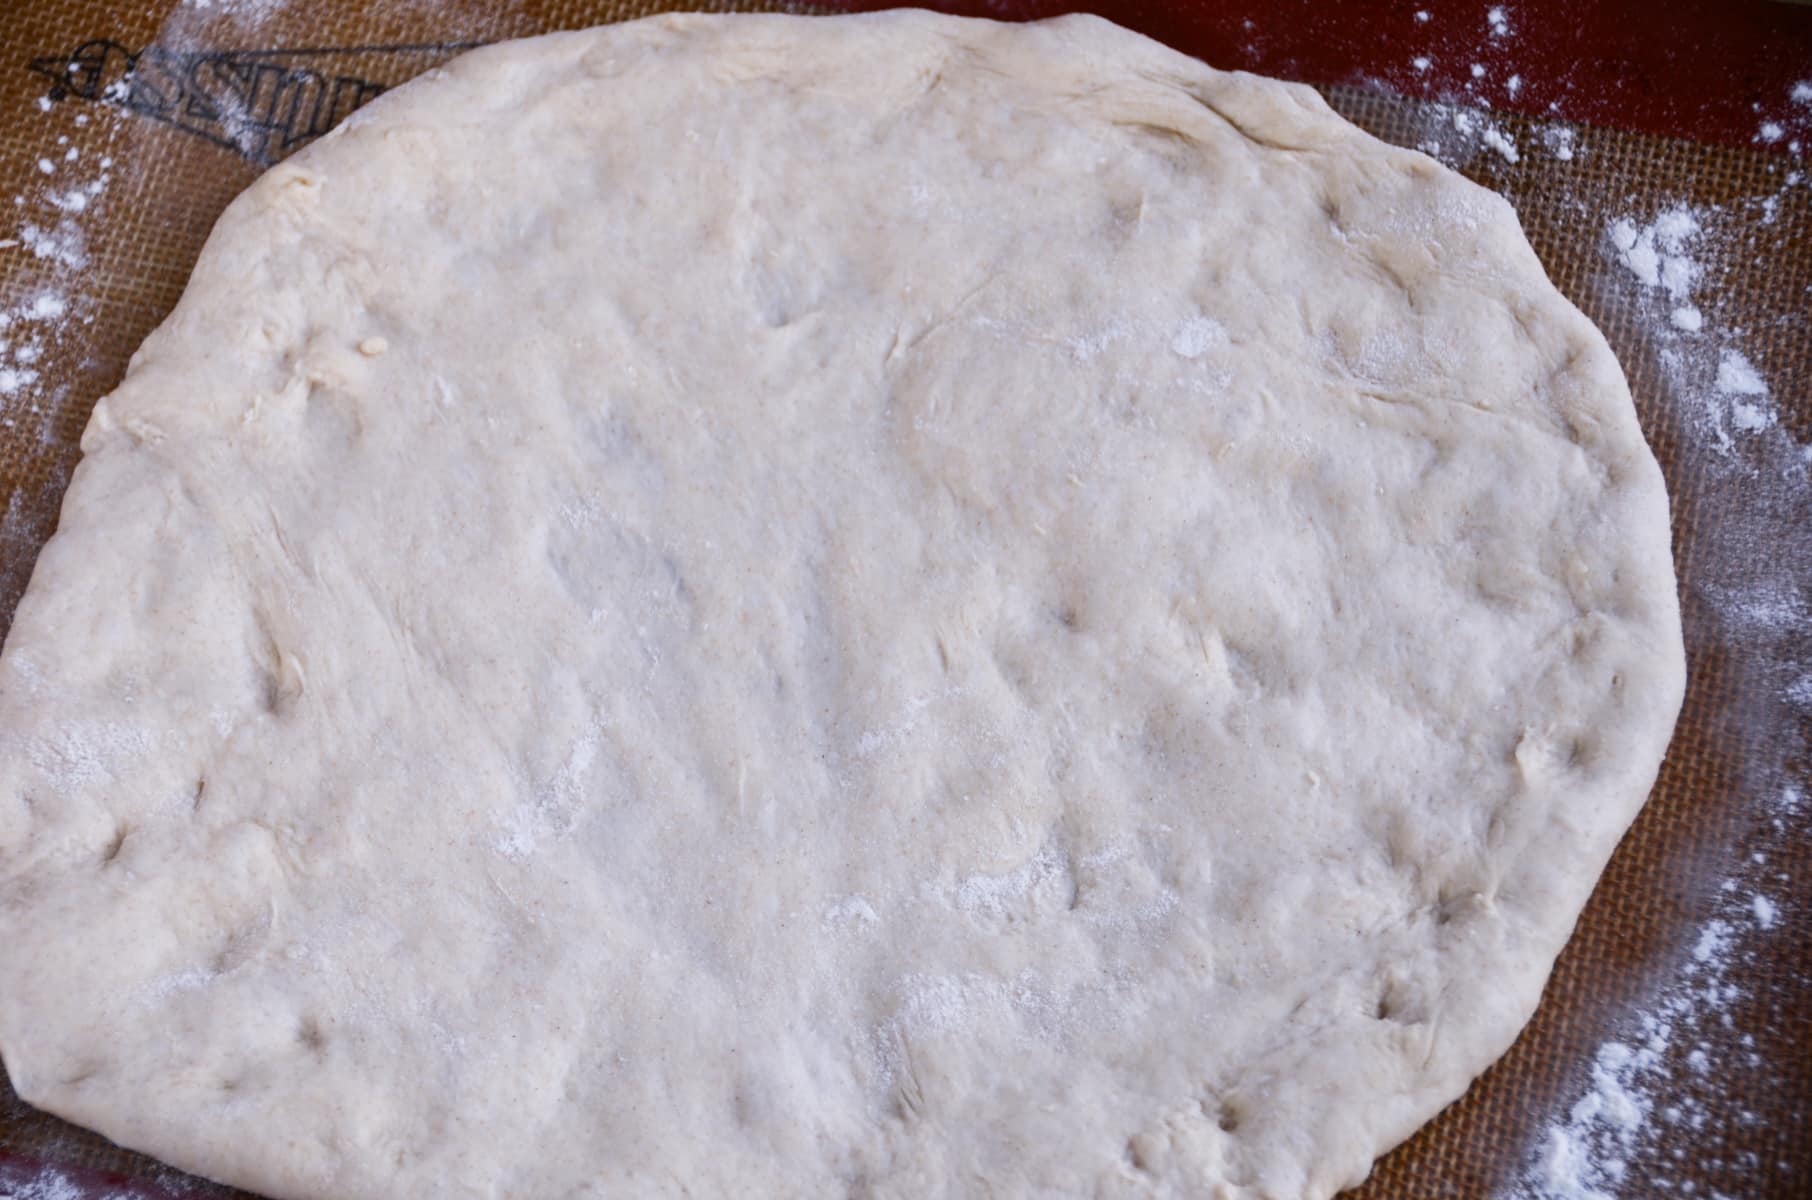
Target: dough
(865, 607)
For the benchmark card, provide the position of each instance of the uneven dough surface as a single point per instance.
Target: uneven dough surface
(859, 607)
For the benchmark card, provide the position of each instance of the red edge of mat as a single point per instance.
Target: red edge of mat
(1723, 72)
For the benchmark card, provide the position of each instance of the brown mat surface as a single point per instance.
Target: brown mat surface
(1693, 953)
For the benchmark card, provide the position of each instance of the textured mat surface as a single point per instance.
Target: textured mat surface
(1674, 1046)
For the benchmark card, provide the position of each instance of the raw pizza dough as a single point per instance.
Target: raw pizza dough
(872, 607)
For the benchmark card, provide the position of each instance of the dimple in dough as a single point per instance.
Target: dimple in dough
(862, 607)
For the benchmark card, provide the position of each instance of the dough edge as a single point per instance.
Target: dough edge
(1542, 891)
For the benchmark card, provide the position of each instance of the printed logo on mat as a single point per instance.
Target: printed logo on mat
(262, 104)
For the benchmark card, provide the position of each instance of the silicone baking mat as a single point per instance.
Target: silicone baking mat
(1673, 1052)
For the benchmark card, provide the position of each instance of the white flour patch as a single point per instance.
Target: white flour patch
(552, 808)
(1496, 72)
(1657, 253)
(45, 307)
(49, 1184)
(1720, 391)
(88, 753)
(1456, 134)
(1799, 692)
(1654, 1083)
(1086, 347)
(1785, 125)
(1191, 337)
(851, 912)
(62, 244)
(1496, 139)
(1042, 881)
(1737, 376)
(1767, 609)
(898, 732)
(929, 1006)
(250, 12)
(157, 991)
(1196, 336)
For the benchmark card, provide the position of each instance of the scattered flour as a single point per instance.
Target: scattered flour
(1664, 1095)
(158, 991)
(551, 809)
(1749, 418)
(1789, 123)
(1799, 692)
(1736, 377)
(1457, 133)
(1459, 125)
(62, 245)
(1657, 253)
(46, 307)
(1721, 392)
(241, 11)
(1044, 879)
(1655, 1082)
(46, 1184)
(1196, 336)
(89, 753)
(850, 912)
(15, 379)
(43, 310)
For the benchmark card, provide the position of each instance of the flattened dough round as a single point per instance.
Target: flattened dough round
(873, 607)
